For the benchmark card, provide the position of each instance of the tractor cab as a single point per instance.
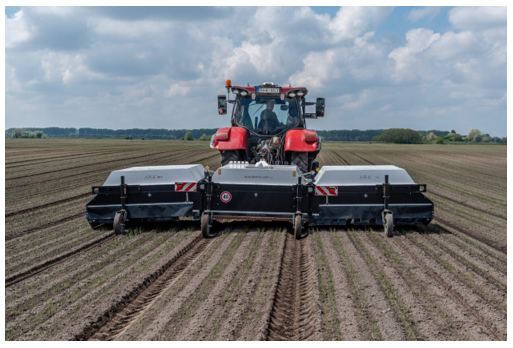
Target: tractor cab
(268, 123)
(267, 115)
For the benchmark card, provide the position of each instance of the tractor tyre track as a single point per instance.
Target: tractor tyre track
(293, 307)
(18, 277)
(117, 318)
(454, 295)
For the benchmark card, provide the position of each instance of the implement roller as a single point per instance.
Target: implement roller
(330, 196)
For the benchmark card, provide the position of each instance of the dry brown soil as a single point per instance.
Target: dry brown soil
(253, 281)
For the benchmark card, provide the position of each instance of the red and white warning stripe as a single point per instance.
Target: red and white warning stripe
(185, 187)
(326, 190)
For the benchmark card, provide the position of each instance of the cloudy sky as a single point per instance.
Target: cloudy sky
(150, 67)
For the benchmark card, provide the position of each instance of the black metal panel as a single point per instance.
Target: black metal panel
(141, 194)
(373, 198)
(154, 212)
(363, 205)
(256, 198)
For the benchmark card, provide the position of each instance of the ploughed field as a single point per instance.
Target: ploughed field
(254, 281)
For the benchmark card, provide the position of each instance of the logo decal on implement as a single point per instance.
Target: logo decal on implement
(226, 197)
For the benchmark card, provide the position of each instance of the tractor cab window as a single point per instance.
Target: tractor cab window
(267, 115)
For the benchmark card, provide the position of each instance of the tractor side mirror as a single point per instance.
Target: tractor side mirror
(221, 104)
(319, 107)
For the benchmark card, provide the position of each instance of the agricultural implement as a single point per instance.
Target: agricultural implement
(271, 175)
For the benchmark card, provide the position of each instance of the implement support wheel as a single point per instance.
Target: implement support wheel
(205, 228)
(119, 223)
(297, 227)
(389, 225)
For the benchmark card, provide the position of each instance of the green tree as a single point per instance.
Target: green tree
(457, 137)
(188, 136)
(203, 137)
(431, 136)
(475, 135)
(440, 140)
(16, 133)
(400, 136)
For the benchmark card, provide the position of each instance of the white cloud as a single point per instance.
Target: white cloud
(318, 68)
(351, 22)
(16, 30)
(476, 18)
(110, 66)
(405, 57)
(11, 82)
(135, 29)
(65, 68)
(429, 12)
(177, 90)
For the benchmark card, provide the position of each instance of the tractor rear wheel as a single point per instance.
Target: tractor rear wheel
(389, 225)
(300, 159)
(297, 227)
(228, 156)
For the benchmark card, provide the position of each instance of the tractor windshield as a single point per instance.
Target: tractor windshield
(267, 115)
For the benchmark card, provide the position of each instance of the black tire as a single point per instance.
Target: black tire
(389, 225)
(297, 227)
(228, 156)
(300, 159)
(118, 219)
(205, 228)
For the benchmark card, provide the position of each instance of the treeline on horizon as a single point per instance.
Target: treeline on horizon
(137, 133)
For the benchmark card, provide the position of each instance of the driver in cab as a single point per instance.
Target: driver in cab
(268, 119)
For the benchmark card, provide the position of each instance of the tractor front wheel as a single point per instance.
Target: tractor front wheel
(300, 159)
(228, 156)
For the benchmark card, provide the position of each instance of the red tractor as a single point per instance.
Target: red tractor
(268, 124)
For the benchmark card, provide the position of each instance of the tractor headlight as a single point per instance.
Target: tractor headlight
(292, 94)
(300, 93)
(235, 91)
(243, 93)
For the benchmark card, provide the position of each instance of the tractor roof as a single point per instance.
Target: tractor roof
(285, 90)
